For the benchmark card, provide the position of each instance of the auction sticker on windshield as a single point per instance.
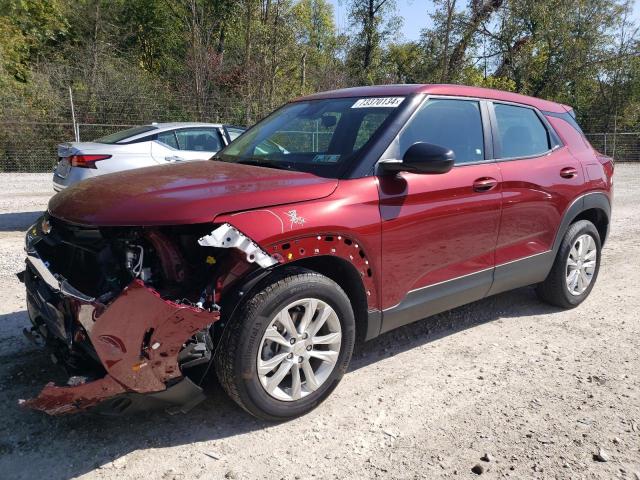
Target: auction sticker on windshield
(382, 102)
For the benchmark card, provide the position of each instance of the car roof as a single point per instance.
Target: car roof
(440, 89)
(171, 125)
(163, 127)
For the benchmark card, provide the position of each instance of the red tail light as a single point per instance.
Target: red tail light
(86, 161)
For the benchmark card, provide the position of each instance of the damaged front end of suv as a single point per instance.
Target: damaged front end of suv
(130, 312)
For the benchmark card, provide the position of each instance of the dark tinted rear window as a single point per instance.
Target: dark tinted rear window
(521, 132)
(125, 134)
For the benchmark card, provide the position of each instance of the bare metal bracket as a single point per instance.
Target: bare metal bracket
(226, 236)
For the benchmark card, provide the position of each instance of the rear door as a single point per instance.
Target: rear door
(199, 143)
(540, 178)
(439, 231)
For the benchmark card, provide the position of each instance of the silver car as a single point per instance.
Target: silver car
(138, 147)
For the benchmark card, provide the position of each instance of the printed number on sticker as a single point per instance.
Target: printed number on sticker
(383, 102)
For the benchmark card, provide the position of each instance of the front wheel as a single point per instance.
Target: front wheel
(575, 269)
(287, 346)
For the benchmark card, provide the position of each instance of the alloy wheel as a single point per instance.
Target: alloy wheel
(299, 349)
(581, 264)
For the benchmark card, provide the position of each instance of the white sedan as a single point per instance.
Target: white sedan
(138, 147)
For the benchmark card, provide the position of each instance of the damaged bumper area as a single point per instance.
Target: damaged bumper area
(127, 343)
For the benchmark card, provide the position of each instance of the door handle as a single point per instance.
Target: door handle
(484, 184)
(568, 172)
(173, 159)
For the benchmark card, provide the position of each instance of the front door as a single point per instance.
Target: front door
(439, 231)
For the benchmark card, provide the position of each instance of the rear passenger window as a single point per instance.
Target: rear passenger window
(199, 140)
(454, 124)
(521, 132)
(168, 138)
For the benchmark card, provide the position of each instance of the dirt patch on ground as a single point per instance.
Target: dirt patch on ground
(537, 389)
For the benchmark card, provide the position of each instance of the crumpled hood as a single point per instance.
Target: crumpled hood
(185, 193)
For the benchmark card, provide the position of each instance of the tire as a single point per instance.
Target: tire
(246, 337)
(555, 288)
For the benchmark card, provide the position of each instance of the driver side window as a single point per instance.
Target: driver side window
(454, 124)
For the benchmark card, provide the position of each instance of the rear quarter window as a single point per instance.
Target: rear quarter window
(234, 132)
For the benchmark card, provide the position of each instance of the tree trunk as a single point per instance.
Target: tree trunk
(451, 5)
(507, 60)
(221, 39)
(247, 58)
(481, 11)
(303, 72)
(368, 29)
(95, 48)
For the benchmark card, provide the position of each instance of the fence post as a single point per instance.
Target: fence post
(76, 131)
(615, 135)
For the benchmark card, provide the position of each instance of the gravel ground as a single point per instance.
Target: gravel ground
(537, 389)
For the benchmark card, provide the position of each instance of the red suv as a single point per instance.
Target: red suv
(339, 217)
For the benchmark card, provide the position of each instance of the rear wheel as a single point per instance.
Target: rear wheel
(575, 269)
(287, 346)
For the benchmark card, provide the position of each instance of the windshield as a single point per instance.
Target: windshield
(124, 134)
(317, 136)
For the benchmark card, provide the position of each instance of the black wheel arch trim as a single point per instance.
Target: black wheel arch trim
(588, 201)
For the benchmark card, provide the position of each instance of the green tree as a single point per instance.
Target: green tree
(149, 34)
(319, 45)
(375, 22)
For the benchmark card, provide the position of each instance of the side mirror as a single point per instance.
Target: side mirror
(421, 157)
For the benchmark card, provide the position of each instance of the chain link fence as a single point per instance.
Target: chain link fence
(622, 146)
(30, 130)
(31, 146)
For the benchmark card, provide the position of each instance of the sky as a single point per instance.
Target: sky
(414, 13)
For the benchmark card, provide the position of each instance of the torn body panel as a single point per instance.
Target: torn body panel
(136, 338)
(56, 400)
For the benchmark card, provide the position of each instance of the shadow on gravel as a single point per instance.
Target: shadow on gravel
(65, 447)
(17, 222)
(517, 303)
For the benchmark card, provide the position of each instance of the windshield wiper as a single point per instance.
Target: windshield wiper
(263, 163)
(255, 161)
